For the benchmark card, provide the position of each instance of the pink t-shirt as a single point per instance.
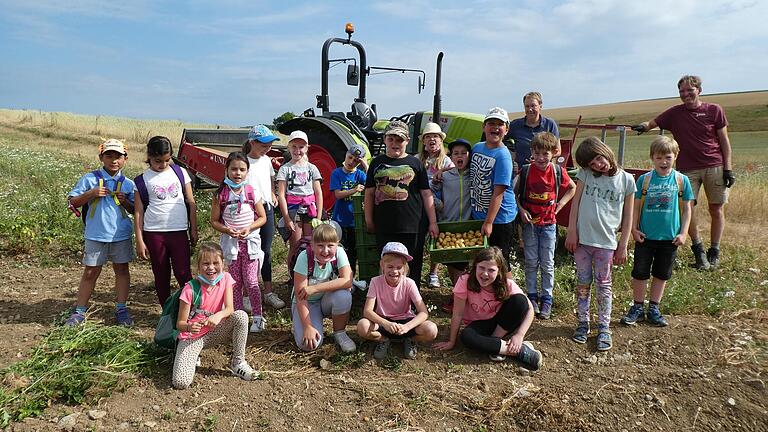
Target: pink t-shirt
(394, 303)
(213, 301)
(696, 133)
(481, 305)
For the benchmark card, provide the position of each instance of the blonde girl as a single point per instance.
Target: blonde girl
(601, 206)
(210, 322)
(238, 215)
(494, 310)
(387, 312)
(298, 192)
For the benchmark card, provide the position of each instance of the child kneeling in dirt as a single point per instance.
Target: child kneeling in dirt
(492, 307)
(321, 288)
(201, 327)
(387, 312)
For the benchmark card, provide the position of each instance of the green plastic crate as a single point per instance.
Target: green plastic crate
(367, 252)
(456, 255)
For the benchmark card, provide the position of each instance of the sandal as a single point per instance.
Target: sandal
(604, 340)
(580, 335)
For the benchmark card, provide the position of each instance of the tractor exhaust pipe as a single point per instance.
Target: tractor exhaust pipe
(438, 79)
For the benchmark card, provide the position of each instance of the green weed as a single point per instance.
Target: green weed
(351, 360)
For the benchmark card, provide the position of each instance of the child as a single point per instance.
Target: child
(662, 213)
(492, 307)
(322, 282)
(261, 176)
(602, 205)
(211, 322)
(238, 214)
(493, 200)
(346, 181)
(537, 190)
(387, 312)
(106, 196)
(396, 195)
(435, 161)
(298, 191)
(163, 214)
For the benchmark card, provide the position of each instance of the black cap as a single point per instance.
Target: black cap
(460, 141)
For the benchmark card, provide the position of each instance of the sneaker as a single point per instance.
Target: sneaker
(198, 363)
(546, 311)
(497, 357)
(273, 300)
(409, 348)
(346, 344)
(434, 281)
(535, 302)
(247, 305)
(75, 319)
(713, 256)
(123, 318)
(635, 314)
(700, 256)
(259, 324)
(581, 333)
(447, 307)
(381, 350)
(244, 371)
(656, 318)
(604, 340)
(360, 285)
(530, 357)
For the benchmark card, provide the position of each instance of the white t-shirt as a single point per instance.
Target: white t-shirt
(166, 210)
(259, 177)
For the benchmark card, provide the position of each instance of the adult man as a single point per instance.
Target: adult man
(701, 129)
(523, 129)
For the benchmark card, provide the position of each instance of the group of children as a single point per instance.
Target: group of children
(401, 193)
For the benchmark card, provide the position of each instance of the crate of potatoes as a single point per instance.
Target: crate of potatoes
(458, 242)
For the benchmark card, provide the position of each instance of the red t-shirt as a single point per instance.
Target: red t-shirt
(540, 190)
(696, 133)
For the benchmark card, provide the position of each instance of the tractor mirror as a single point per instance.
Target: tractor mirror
(421, 85)
(353, 75)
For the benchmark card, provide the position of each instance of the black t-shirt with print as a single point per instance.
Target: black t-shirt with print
(398, 184)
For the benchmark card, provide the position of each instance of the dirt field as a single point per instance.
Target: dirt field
(698, 374)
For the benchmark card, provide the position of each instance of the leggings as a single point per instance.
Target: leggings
(477, 335)
(168, 250)
(602, 259)
(332, 303)
(267, 233)
(188, 350)
(245, 272)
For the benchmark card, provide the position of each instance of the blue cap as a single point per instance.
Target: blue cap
(356, 150)
(262, 134)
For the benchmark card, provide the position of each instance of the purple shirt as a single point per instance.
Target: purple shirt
(696, 132)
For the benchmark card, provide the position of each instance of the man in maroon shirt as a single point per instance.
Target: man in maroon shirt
(705, 157)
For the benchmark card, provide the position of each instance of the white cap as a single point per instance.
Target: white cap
(298, 135)
(497, 113)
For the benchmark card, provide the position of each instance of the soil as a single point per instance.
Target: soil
(700, 373)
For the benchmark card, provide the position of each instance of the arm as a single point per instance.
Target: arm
(685, 222)
(370, 313)
(182, 323)
(138, 225)
(311, 335)
(620, 257)
(638, 235)
(572, 239)
(318, 197)
(725, 149)
(429, 206)
(215, 319)
(125, 202)
(458, 314)
(344, 281)
(88, 196)
(258, 222)
(284, 205)
(272, 189)
(645, 126)
(363, 164)
(216, 219)
(421, 315)
(493, 209)
(189, 199)
(567, 196)
(342, 194)
(368, 209)
(525, 215)
(516, 338)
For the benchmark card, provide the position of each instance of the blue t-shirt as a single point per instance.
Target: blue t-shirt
(110, 222)
(342, 181)
(491, 167)
(523, 135)
(660, 215)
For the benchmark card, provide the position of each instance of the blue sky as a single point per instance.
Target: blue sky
(239, 62)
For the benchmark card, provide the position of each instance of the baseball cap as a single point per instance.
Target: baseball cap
(262, 134)
(396, 248)
(497, 113)
(113, 145)
(432, 128)
(356, 150)
(459, 142)
(396, 127)
(298, 135)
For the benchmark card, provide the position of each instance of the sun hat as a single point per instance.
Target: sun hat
(113, 145)
(300, 135)
(262, 134)
(497, 113)
(432, 128)
(396, 248)
(459, 142)
(396, 127)
(356, 150)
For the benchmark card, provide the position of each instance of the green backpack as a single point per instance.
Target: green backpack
(166, 331)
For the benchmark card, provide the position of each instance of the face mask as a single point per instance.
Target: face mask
(230, 183)
(205, 280)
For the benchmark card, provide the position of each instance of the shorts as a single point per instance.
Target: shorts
(97, 253)
(654, 257)
(299, 217)
(388, 335)
(457, 266)
(714, 186)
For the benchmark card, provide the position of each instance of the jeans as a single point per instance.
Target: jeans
(539, 250)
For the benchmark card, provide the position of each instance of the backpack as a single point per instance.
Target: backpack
(523, 178)
(166, 331)
(647, 181)
(250, 198)
(305, 245)
(89, 208)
